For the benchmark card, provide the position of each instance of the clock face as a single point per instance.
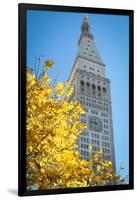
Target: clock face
(95, 124)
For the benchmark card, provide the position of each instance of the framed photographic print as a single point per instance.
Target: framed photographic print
(75, 99)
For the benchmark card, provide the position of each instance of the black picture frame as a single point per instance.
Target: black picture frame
(22, 97)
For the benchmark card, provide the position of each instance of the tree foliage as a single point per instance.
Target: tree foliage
(53, 127)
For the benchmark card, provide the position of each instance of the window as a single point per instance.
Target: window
(87, 89)
(93, 86)
(106, 132)
(106, 150)
(84, 139)
(82, 152)
(99, 88)
(104, 90)
(95, 135)
(83, 120)
(105, 126)
(95, 148)
(82, 83)
(105, 144)
(86, 146)
(105, 138)
(82, 87)
(83, 115)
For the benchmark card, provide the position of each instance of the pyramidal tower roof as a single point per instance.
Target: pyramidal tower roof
(86, 45)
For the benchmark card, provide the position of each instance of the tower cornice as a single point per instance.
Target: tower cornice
(73, 68)
(91, 60)
(92, 75)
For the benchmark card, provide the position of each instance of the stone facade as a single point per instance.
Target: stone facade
(92, 89)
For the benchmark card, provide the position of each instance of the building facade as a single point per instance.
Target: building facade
(92, 90)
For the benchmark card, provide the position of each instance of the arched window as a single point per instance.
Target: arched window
(99, 88)
(104, 92)
(87, 89)
(93, 89)
(82, 83)
(82, 87)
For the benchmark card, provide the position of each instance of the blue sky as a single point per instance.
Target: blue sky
(55, 34)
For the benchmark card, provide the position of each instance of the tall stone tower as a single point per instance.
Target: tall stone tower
(92, 89)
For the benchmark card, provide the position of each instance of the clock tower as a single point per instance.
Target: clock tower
(92, 90)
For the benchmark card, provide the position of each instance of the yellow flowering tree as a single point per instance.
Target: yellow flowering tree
(53, 127)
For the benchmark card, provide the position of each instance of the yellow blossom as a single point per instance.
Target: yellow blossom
(52, 129)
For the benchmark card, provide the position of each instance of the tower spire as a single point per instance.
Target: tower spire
(87, 48)
(85, 27)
